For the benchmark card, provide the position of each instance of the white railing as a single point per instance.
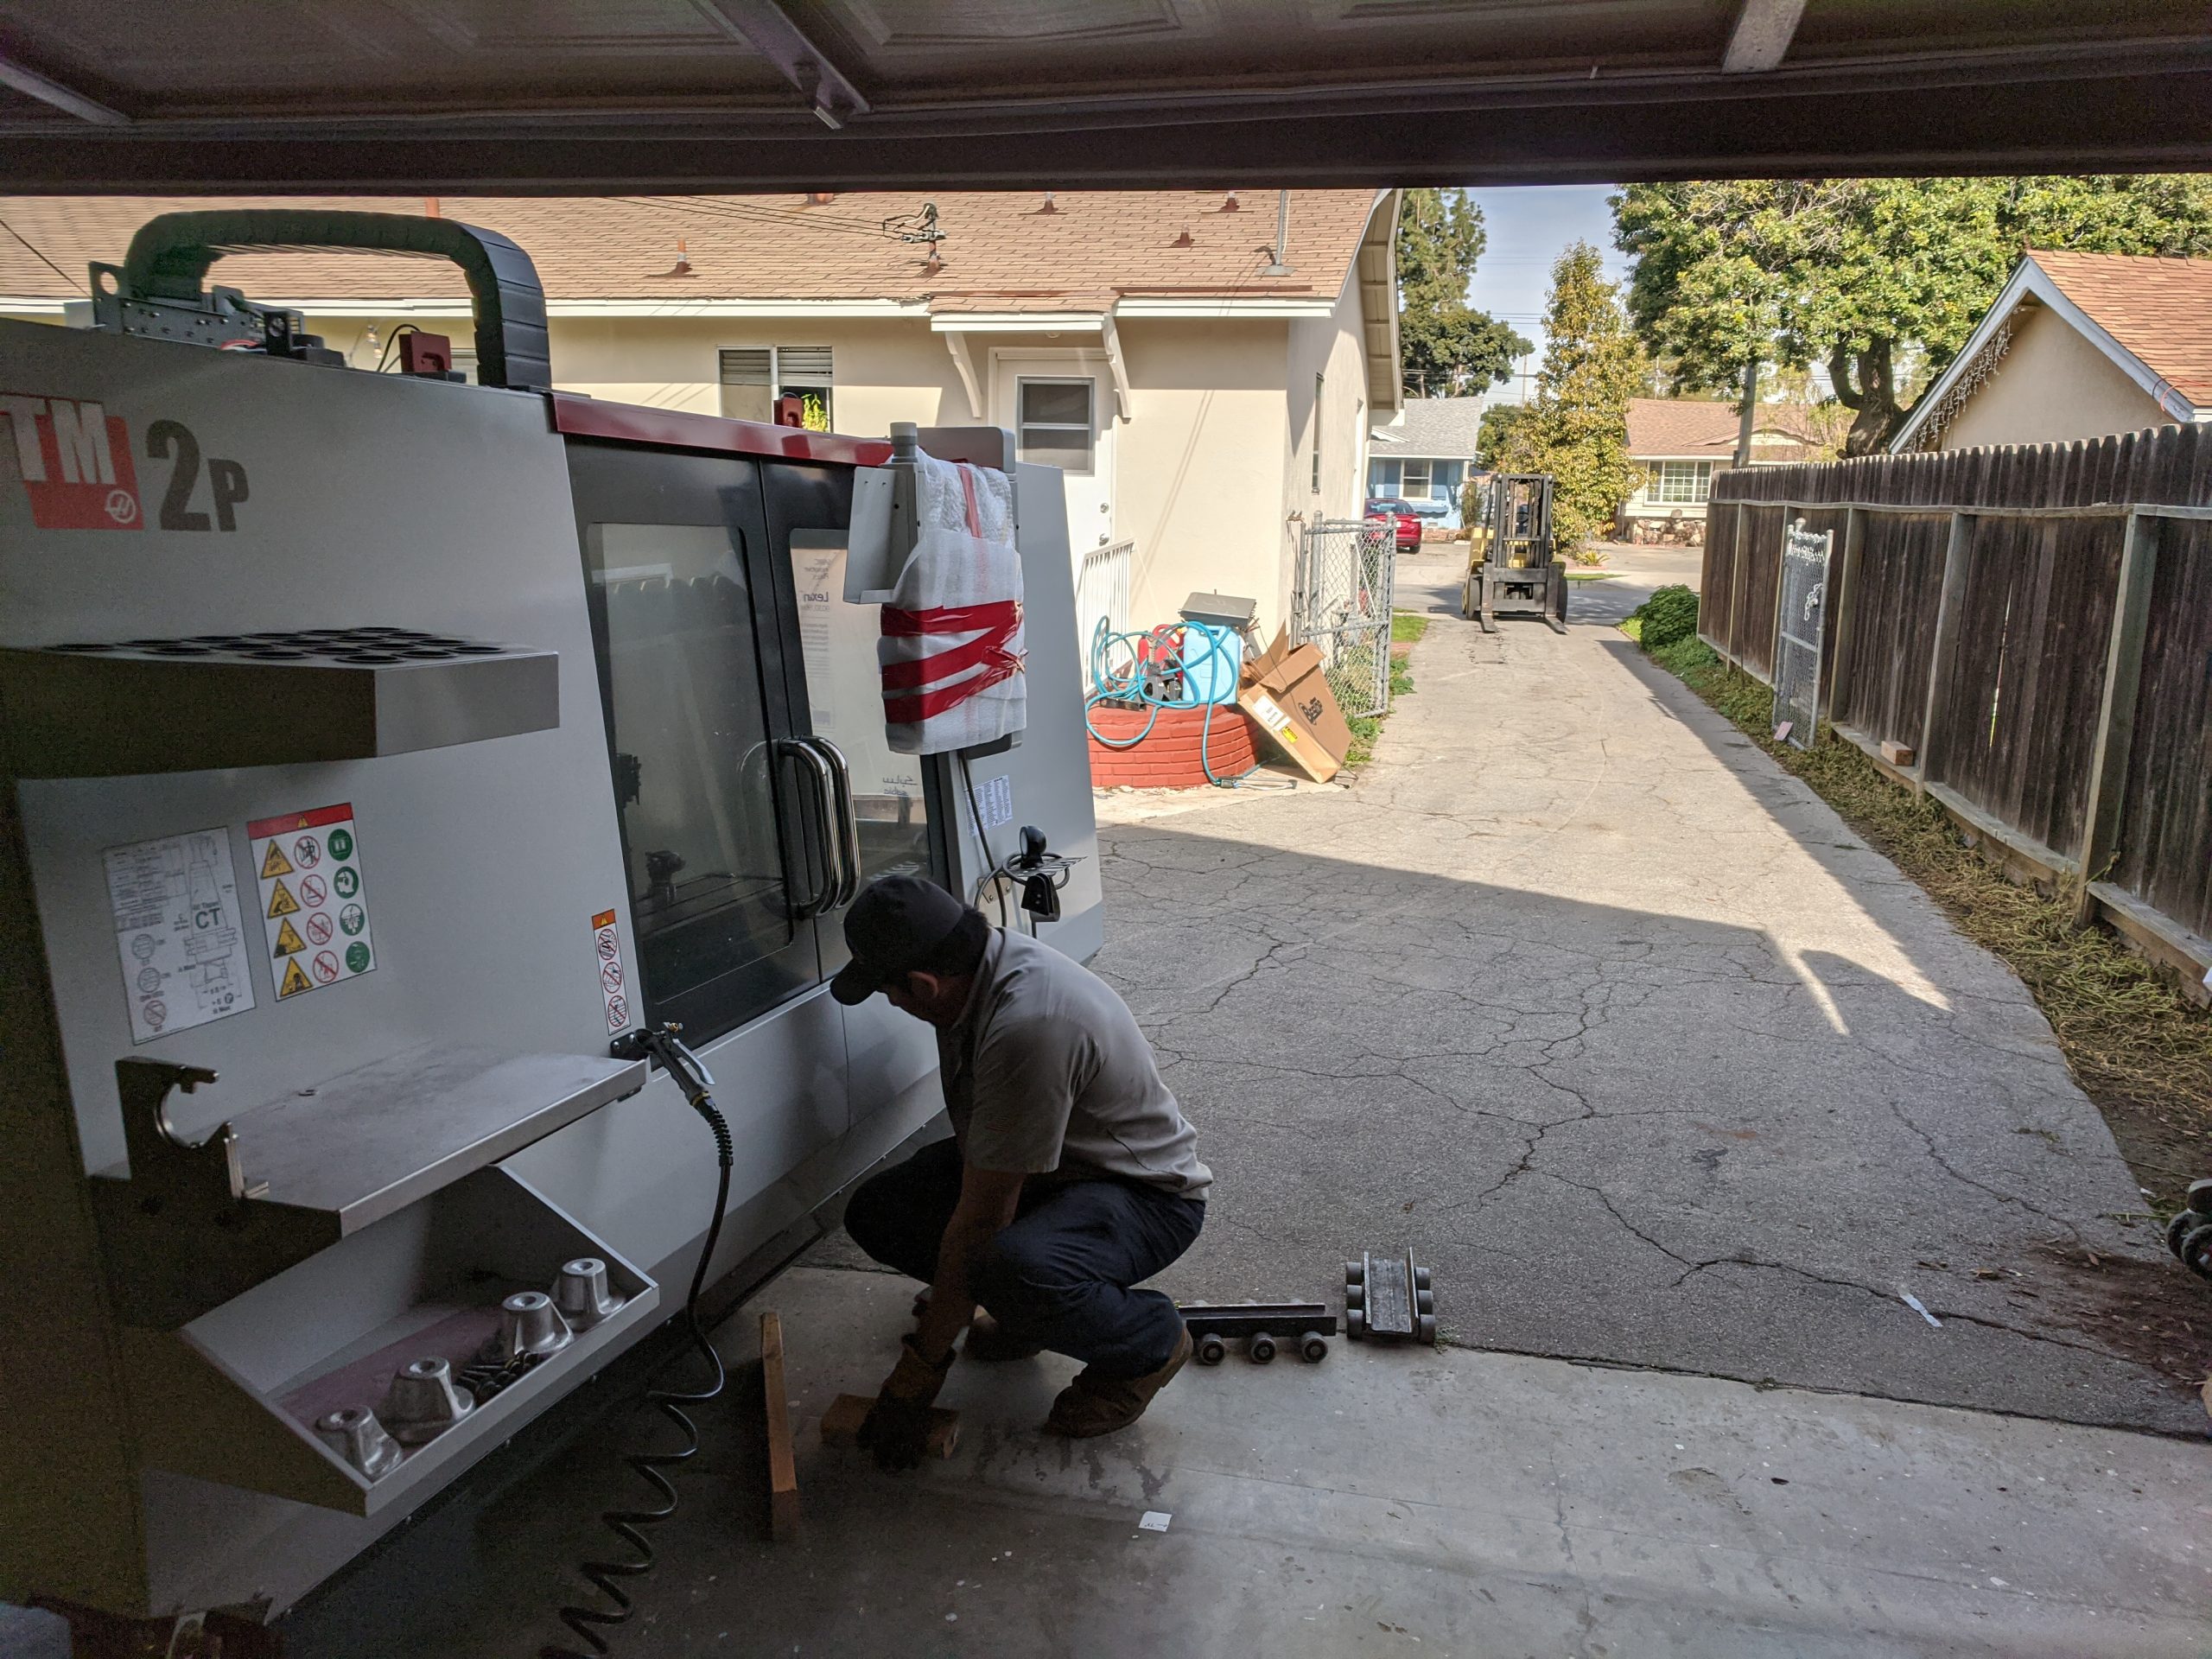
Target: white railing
(1102, 591)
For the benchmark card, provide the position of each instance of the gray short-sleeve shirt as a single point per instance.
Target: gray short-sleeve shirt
(1045, 1073)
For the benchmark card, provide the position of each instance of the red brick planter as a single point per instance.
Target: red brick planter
(1168, 758)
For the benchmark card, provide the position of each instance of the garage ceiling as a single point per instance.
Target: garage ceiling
(575, 95)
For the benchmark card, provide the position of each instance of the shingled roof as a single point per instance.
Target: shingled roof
(1696, 428)
(2160, 311)
(1073, 251)
(2150, 315)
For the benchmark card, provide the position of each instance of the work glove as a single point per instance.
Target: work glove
(897, 1426)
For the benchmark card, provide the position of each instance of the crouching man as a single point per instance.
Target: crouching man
(1070, 1176)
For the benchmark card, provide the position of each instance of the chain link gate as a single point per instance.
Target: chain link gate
(1340, 603)
(1799, 620)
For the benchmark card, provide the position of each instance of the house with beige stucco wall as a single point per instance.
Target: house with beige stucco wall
(1206, 366)
(2077, 345)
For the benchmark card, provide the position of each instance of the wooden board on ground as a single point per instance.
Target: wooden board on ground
(783, 1472)
(841, 1424)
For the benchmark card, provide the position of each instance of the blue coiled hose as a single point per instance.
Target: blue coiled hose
(1126, 685)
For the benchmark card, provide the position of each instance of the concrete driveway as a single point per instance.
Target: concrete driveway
(1620, 1028)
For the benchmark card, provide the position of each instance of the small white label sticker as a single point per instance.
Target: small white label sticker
(607, 953)
(179, 932)
(315, 901)
(1155, 1521)
(998, 801)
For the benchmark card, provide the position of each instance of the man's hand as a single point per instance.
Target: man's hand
(898, 1425)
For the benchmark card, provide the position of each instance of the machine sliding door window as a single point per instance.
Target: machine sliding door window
(698, 781)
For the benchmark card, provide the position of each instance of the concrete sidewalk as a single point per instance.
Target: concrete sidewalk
(1386, 1501)
(1620, 1027)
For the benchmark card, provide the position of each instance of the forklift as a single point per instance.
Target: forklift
(391, 766)
(1512, 568)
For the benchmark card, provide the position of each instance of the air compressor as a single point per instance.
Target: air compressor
(383, 755)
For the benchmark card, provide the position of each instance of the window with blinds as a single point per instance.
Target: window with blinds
(753, 377)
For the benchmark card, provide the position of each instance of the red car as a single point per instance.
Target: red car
(1405, 526)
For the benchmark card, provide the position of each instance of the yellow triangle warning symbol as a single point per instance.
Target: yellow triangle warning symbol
(274, 864)
(294, 980)
(287, 939)
(280, 902)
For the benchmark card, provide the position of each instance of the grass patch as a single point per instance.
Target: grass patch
(2138, 1049)
(1594, 576)
(1406, 629)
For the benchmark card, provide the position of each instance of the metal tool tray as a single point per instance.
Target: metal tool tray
(184, 1233)
(233, 1397)
(135, 707)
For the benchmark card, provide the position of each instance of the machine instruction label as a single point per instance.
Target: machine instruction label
(606, 950)
(996, 797)
(315, 902)
(179, 932)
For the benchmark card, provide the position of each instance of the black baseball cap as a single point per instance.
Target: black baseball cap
(898, 923)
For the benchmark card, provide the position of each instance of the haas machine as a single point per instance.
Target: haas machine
(394, 767)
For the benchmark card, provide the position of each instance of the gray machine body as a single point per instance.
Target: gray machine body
(175, 1468)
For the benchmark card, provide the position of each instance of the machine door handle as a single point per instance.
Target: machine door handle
(849, 822)
(816, 766)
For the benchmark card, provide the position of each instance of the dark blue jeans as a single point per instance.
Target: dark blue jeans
(1061, 1274)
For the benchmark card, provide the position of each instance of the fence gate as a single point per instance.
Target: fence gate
(1340, 603)
(1797, 630)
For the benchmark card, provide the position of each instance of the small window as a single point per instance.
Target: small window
(753, 377)
(1418, 485)
(1055, 418)
(1683, 483)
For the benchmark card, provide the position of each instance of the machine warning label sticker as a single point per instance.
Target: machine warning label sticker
(179, 932)
(606, 950)
(313, 896)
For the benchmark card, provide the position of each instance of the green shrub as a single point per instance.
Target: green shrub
(1668, 615)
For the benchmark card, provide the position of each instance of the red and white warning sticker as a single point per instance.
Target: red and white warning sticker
(607, 950)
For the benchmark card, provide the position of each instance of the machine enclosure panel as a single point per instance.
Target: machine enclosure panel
(382, 500)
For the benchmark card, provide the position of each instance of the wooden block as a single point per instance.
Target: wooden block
(1897, 755)
(783, 1472)
(841, 1424)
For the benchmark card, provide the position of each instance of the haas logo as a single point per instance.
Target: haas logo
(75, 460)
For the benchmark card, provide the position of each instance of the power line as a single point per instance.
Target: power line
(35, 254)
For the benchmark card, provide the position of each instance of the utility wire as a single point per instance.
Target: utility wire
(751, 215)
(35, 254)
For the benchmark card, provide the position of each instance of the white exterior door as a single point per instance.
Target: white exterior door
(1056, 405)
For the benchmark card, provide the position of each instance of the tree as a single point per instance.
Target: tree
(1445, 347)
(1878, 281)
(1497, 423)
(1577, 430)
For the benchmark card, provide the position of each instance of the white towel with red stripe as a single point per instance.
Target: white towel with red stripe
(951, 649)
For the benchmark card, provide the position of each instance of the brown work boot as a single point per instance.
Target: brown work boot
(1098, 1405)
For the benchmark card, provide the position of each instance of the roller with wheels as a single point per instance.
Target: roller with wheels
(1261, 1327)
(1389, 1297)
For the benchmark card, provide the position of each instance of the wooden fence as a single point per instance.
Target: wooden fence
(2034, 626)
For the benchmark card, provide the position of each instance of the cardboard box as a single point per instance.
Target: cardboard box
(1285, 689)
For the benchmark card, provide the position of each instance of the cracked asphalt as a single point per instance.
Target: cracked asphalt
(1623, 1031)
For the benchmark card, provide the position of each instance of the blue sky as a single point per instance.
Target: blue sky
(1529, 227)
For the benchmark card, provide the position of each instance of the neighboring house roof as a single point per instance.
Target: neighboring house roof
(1434, 429)
(1002, 250)
(2150, 315)
(1704, 428)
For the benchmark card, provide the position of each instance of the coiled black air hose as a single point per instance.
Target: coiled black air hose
(606, 1577)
